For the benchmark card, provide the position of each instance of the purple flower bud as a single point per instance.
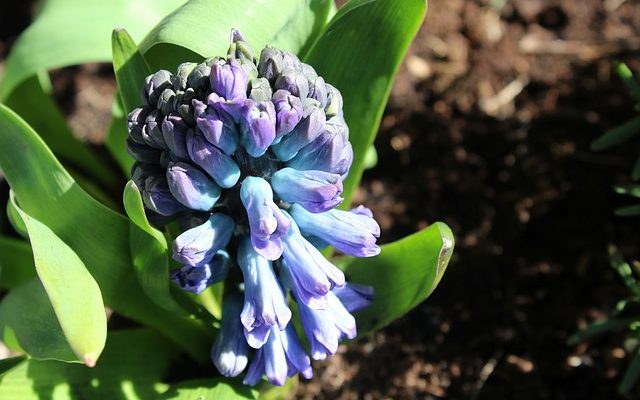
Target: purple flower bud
(154, 85)
(325, 328)
(141, 171)
(350, 232)
(294, 82)
(217, 126)
(329, 152)
(198, 79)
(157, 197)
(257, 126)
(282, 356)
(310, 127)
(318, 91)
(317, 191)
(230, 350)
(198, 245)
(192, 187)
(142, 152)
(180, 79)
(197, 279)
(334, 102)
(135, 121)
(174, 132)
(217, 164)
(310, 274)
(265, 304)
(354, 297)
(152, 132)
(271, 63)
(267, 223)
(288, 111)
(229, 80)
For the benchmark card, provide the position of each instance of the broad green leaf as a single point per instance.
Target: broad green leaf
(130, 68)
(131, 368)
(600, 327)
(359, 53)
(210, 389)
(8, 363)
(271, 392)
(148, 251)
(33, 104)
(71, 32)
(627, 77)
(617, 135)
(403, 275)
(98, 235)
(74, 294)
(28, 324)
(201, 28)
(16, 262)
(631, 375)
(117, 135)
(630, 211)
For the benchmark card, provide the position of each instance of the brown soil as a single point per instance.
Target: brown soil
(487, 129)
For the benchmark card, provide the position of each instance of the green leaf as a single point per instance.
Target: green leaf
(131, 368)
(598, 328)
(98, 235)
(117, 135)
(38, 108)
(74, 294)
(623, 269)
(630, 82)
(359, 53)
(16, 221)
(629, 190)
(71, 32)
(403, 275)
(130, 68)
(630, 211)
(617, 135)
(8, 363)
(287, 24)
(635, 173)
(370, 158)
(149, 252)
(16, 262)
(28, 324)
(210, 389)
(631, 375)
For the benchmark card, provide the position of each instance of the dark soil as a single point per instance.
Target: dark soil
(487, 129)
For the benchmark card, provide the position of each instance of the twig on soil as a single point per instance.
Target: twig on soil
(485, 374)
(493, 105)
(584, 51)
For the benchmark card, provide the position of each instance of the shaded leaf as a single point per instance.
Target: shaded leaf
(8, 363)
(630, 190)
(403, 275)
(117, 135)
(210, 389)
(98, 235)
(130, 69)
(71, 32)
(630, 211)
(339, 56)
(74, 294)
(292, 27)
(149, 252)
(29, 324)
(598, 328)
(631, 375)
(16, 262)
(617, 135)
(131, 368)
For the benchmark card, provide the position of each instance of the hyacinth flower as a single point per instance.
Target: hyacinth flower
(249, 155)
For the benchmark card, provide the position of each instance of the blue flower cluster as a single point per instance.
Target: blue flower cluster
(249, 157)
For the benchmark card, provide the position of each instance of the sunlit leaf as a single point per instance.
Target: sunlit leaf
(206, 389)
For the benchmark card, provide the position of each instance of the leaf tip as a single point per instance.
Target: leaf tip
(89, 361)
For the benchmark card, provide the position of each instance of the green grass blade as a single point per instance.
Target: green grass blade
(617, 135)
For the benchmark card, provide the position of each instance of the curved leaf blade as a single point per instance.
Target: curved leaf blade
(404, 274)
(74, 294)
(29, 324)
(130, 68)
(97, 234)
(288, 24)
(16, 262)
(149, 251)
(71, 32)
(339, 56)
(131, 368)
(210, 389)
